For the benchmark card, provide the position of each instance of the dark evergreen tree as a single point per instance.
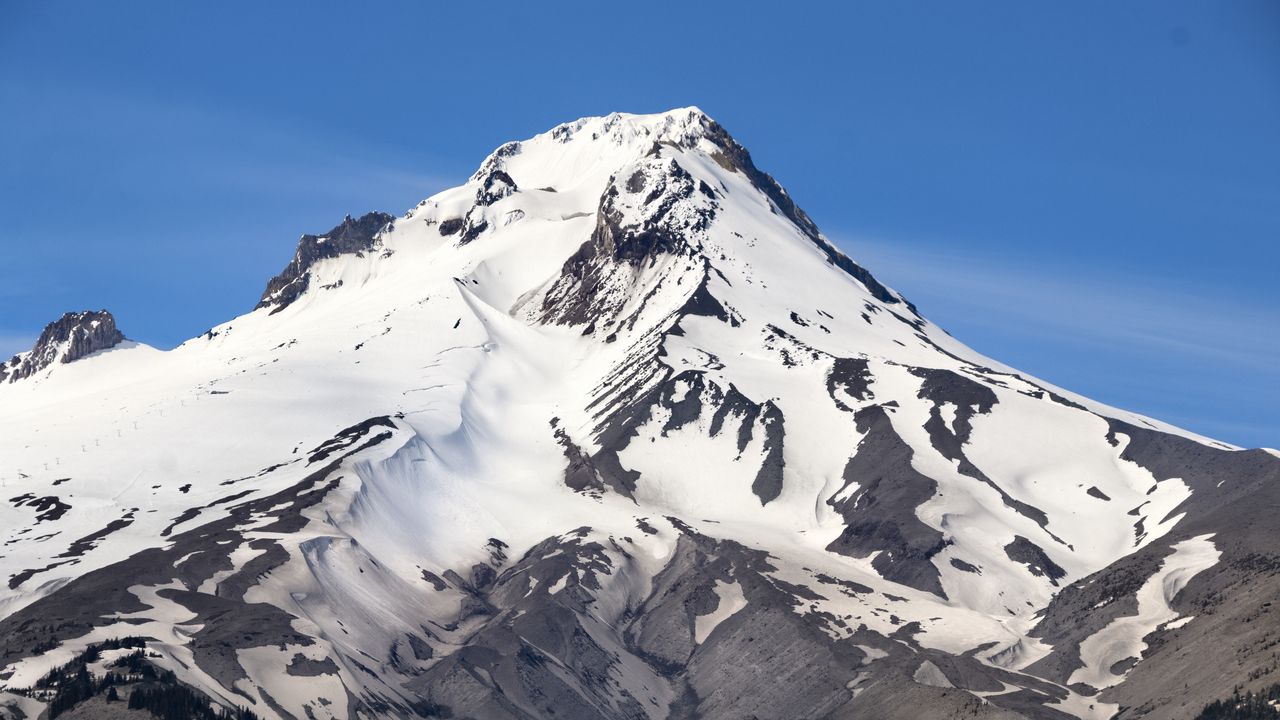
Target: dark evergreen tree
(159, 693)
(179, 702)
(1249, 706)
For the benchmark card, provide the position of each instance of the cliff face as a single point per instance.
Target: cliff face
(353, 236)
(67, 339)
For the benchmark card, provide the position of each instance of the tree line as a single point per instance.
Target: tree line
(1259, 705)
(155, 690)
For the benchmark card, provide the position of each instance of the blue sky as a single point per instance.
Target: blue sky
(1088, 191)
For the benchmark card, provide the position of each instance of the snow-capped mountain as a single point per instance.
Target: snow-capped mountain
(613, 431)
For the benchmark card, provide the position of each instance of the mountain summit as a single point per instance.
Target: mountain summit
(613, 431)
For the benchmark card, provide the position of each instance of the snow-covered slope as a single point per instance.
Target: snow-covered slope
(611, 430)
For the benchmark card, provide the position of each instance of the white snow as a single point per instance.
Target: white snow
(1123, 637)
(731, 601)
(450, 340)
(929, 674)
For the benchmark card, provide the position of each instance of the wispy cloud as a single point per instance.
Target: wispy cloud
(1197, 358)
(338, 178)
(209, 146)
(1041, 301)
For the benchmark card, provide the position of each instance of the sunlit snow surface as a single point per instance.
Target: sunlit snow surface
(450, 341)
(1122, 639)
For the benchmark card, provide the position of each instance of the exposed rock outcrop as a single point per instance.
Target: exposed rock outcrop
(652, 209)
(67, 339)
(351, 236)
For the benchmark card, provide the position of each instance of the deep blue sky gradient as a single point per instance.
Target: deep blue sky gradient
(1087, 191)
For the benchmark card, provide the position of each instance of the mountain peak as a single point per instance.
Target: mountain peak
(604, 152)
(559, 441)
(65, 340)
(678, 123)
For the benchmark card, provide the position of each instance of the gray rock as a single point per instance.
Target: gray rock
(352, 236)
(69, 338)
(881, 514)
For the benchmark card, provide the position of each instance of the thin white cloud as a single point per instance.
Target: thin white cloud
(1042, 301)
(339, 179)
(256, 151)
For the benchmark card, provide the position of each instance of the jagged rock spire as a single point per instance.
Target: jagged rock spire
(67, 339)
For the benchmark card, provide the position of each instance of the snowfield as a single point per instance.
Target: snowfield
(586, 424)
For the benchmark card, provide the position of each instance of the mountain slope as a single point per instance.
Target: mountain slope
(612, 430)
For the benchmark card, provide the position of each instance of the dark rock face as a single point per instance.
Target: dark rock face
(653, 211)
(582, 475)
(351, 236)
(451, 226)
(851, 376)
(704, 304)
(881, 514)
(497, 185)
(768, 482)
(304, 666)
(660, 232)
(67, 339)
(1022, 550)
(969, 396)
(348, 437)
(472, 229)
